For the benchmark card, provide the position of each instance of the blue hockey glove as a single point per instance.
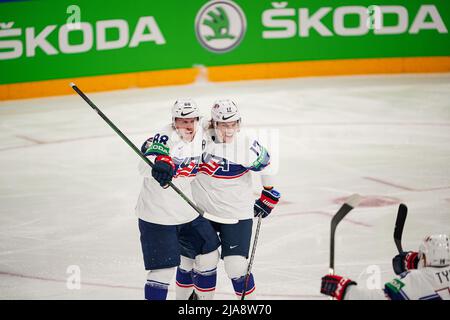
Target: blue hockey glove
(335, 286)
(163, 170)
(265, 204)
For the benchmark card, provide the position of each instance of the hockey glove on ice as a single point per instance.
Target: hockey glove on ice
(163, 170)
(264, 205)
(335, 286)
(405, 261)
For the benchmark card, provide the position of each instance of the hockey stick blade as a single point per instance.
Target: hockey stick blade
(348, 206)
(399, 224)
(144, 158)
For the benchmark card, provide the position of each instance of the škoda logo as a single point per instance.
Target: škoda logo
(220, 26)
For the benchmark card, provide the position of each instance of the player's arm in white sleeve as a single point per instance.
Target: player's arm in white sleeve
(407, 286)
(260, 165)
(267, 181)
(259, 157)
(144, 169)
(412, 285)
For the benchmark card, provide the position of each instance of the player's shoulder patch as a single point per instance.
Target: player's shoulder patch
(394, 290)
(262, 156)
(158, 144)
(157, 149)
(395, 285)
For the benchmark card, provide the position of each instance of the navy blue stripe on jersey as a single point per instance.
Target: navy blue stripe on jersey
(395, 294)
(221, 171)
(234, 171)
(431, 297)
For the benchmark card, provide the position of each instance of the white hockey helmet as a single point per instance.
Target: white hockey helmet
(185, 108)
(225, 111)
(436, 251)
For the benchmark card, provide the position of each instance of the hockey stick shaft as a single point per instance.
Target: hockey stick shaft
(252, 257)
(348, 206)
(143, 157)
(399, 224)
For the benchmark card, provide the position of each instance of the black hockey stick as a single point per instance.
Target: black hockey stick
(348, 206)
(399, 224)
(135, 149)
(252, 257)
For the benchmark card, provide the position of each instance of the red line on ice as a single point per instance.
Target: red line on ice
(36, 141)
(403, 187)
(322, 213)
(272, 125)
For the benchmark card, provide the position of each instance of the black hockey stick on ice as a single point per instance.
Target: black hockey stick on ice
(348, 206)
(252, 257)
(135, 149)
(399, 224)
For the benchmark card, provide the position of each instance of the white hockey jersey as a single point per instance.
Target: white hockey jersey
(223, 185)
(165, 206)
(428, 283)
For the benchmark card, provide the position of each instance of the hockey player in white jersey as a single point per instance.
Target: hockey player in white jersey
(171, 231)
(223, 187)
(423, 275)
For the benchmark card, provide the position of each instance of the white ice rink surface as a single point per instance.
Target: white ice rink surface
(69, 184)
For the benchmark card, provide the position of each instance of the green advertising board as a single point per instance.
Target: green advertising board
(55, 39)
